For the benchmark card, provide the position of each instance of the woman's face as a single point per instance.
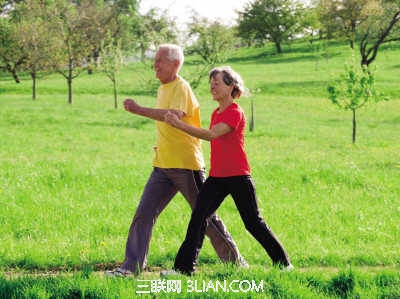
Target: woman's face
(218, 88)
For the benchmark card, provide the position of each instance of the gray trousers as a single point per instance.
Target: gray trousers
(161, 187)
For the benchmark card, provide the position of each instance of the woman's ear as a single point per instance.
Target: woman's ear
(236, 93)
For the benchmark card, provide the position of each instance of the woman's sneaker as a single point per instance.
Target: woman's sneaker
(287, 268)
(118, 272)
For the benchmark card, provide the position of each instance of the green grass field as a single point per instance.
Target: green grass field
(71, 177)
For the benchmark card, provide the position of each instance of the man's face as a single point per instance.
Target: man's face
(164, 68)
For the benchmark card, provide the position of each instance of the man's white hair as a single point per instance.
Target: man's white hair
(175, 52)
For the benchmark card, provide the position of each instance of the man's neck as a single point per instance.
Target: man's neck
(170, 79)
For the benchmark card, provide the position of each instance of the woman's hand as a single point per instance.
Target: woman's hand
(172, 119)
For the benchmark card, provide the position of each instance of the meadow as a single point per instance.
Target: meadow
(71, 177)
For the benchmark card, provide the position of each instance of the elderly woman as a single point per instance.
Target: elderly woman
(229, 174)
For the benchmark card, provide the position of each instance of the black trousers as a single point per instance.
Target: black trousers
(211, 195)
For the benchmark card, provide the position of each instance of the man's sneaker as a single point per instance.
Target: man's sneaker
(287, 268)
(118, 272)
(243, 264)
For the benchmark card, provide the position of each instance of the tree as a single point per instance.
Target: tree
(353, 90)
(123, 14)
(381, 25)
(270, 20)
(95, 20)
(73, 46)
(370, 22)
(147, 32)
(212, 41)
(311, 23)
(341, 17)
(12, 54)
(316, 32)
(152, 29)
(111, 62)
(102, 19)
(35, 38)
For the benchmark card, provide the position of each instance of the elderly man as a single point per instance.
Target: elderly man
(177, 166)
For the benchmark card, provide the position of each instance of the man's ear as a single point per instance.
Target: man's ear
(176, 64)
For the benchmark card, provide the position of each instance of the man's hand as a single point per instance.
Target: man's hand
(153, 113)
(131, 106)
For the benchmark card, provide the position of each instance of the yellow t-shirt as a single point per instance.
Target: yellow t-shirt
(175, 148)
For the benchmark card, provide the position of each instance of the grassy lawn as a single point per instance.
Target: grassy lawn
(71, 177)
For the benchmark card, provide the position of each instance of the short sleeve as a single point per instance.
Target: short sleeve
(232, 117)
(184, 100)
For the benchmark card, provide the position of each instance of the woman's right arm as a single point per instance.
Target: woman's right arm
(216, 131)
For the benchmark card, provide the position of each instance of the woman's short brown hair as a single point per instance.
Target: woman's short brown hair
(230, 77)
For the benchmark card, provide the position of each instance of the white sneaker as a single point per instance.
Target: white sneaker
(167, 273)
(288, 268)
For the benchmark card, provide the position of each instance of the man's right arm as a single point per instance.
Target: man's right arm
(153, 113)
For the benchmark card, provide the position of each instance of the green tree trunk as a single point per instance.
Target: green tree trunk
(251, 126)
(33, 76)
(69, 79)
(115, 94)
(354, 125)
(278, 47)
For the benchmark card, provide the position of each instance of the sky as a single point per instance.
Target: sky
(221, 10)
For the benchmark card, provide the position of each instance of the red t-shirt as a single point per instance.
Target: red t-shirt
(228, 157)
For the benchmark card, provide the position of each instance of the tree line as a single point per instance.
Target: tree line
(71, 36)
